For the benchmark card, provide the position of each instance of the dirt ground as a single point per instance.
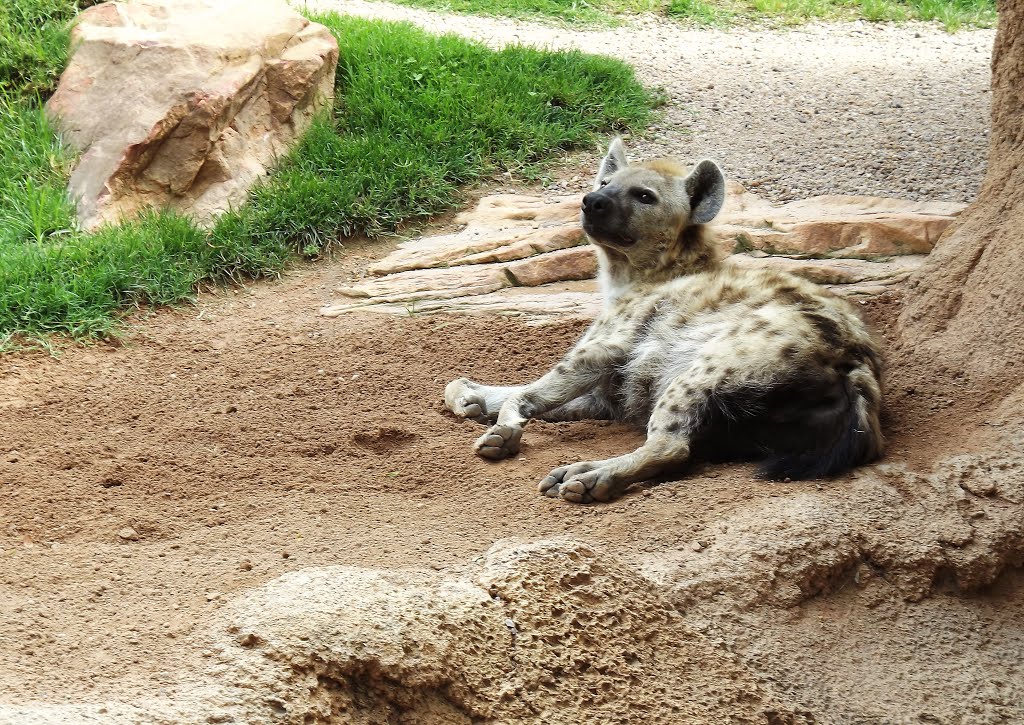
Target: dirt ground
(248, 437)
(147, 485)
(216, 447)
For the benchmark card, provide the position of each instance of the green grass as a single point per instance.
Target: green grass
(422, 115)
(33, 45)
(952, 14)
(577, 12)
(403, 138)
(571, 11)
(701, 12)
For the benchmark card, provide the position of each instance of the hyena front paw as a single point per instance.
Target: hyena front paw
(579, 483)
(500, 441)
(463, 399)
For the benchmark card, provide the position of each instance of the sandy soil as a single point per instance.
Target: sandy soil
(250, 437)
(146, 484)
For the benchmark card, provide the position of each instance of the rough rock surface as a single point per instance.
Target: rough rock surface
(512, 240)
(550, 631)
(185, 103)
(545, 632)
(965, 310)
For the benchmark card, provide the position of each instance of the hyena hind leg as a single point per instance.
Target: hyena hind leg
(591, 481)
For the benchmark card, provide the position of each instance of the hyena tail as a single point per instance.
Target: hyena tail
(856, 436)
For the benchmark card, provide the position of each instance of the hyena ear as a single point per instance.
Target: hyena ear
(705, 186)
(614, 160)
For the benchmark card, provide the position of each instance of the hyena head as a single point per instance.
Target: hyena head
(640, 210)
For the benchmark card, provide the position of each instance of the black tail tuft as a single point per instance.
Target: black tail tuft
(856, 441)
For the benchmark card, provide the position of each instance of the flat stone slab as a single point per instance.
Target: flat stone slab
(858, 246)
(839, 226)
(580, 300)
(408, 293)
(501, 228)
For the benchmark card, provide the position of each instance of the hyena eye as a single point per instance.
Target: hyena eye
(645, 197)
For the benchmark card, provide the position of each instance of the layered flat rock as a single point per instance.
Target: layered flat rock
(858, 246)
(580, 300)
(844, 276)
(839, 226)
(500, 228)
(183, 104)
(464, 282)
(504, 227)
(535, 287)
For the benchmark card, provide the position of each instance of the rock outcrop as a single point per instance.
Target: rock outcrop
(966, 307)
(861, 227)
(861, 246)
(544, 632)
(183, 104)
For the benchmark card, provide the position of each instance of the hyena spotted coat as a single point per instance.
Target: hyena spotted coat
(714, 358)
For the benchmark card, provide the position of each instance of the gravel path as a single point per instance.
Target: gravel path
(852, 108)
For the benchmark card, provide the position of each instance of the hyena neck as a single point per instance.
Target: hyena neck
(694, 252)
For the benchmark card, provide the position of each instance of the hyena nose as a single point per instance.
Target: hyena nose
(596, 204)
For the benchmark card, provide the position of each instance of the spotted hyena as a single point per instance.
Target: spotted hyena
(713, 358)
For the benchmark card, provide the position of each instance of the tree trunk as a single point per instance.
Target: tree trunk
(964, 311)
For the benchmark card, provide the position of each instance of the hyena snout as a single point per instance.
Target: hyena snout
(604, 219)
(597, 205)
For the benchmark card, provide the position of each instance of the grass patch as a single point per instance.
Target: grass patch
(416, 117)
(570, 11)
(576, 12)
(701, 12)
(952, 14)
(422, 115)
(33, 45)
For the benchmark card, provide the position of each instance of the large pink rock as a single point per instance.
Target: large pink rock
(185, 103)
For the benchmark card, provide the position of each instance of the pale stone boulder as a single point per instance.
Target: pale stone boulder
(183, 104)
(546, 632)
(551, 631)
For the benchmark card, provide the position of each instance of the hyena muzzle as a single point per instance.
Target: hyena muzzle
(718, 360)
